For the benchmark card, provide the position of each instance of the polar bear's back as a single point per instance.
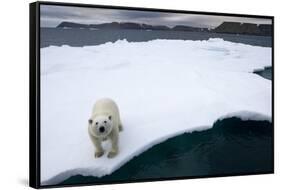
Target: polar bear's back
(106, 106)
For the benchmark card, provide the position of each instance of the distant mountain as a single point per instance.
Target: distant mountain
(127, 25)
(244, 28)
(225, 27)
(113, 25)
(72, 25)
(189, 28)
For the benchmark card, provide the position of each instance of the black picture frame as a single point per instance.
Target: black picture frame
(34, 91)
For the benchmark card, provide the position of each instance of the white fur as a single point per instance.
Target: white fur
(105, 115)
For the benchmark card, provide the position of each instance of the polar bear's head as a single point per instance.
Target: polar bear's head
(101, 125)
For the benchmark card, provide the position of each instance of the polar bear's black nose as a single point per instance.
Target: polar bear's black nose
(101, 129)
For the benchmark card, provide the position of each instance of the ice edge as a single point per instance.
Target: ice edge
(243, 115)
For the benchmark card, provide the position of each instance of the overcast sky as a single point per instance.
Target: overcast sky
(52, 15)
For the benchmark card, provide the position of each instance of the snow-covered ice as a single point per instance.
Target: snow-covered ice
(163, 88)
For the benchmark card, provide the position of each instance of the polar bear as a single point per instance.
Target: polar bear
(105, 124)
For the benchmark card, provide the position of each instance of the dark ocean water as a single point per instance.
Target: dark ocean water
(85, 37)
(230, 147)
(266, 73)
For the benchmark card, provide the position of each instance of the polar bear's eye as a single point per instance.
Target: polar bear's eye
(90, 121)
(97, 123)
(104, 121)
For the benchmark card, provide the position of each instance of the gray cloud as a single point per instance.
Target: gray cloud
(52, 15)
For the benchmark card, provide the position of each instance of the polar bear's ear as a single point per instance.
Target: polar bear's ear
(110, 117)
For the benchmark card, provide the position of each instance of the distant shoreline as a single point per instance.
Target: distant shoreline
(225, 27)
(78, 37)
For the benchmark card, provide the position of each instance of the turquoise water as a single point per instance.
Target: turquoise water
(231, 147)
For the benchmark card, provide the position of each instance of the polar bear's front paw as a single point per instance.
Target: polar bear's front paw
(98, 154)
(112, 154)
